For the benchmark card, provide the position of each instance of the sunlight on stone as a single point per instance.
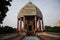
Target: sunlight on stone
(31, 38)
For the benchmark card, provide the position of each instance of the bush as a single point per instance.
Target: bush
(7, 29)
(52, 29)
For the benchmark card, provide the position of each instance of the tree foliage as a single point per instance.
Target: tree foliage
(7, 29)
(52, 29)
(4, 8)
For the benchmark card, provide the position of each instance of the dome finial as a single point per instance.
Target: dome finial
(29, 1)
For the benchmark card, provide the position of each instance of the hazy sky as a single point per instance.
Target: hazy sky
(49, 8)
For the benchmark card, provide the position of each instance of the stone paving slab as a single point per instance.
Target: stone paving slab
(46, 34)
(43, 37)
(6, 37)
(18, 37)
(31, 38)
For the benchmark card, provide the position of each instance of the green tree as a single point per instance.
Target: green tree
(47, 28)
(7, 29)
(52, 29)
(4, 8)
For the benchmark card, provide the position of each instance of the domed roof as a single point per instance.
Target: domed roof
(30, 9)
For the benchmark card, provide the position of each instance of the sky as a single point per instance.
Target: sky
(49, 8)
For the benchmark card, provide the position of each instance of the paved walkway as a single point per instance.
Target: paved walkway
(47, 34)
(18, 37)
(43, 36)
(5, 36)
(31, 38)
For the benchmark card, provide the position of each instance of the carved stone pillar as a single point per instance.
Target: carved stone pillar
(18, 25)
(42, 26)
(24, 22)
(22, 25)
(38, 25)
(35, 23)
